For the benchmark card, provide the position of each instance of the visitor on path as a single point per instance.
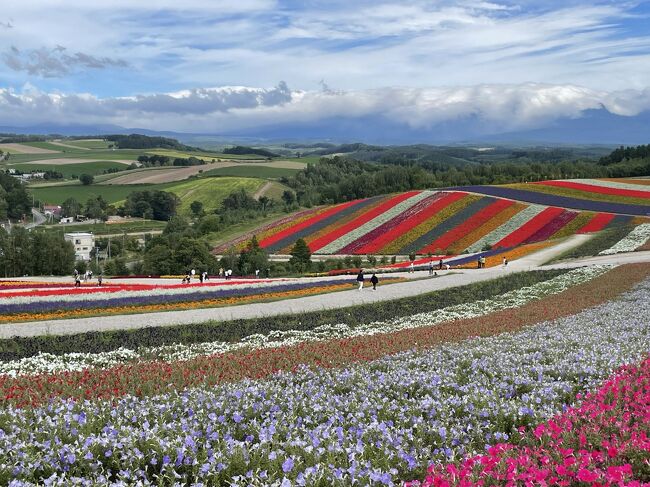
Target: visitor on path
(360, 279)
(76, 273)
(201, 277)
(440, 265)
(257, 273)
(90, 274)
(505, 262)
(411, 268)
(478, 263)
(77, 280)
(430, 267)
(228, 274)
(220, 271)
(482, 261)
(100, 278)
(374, 280)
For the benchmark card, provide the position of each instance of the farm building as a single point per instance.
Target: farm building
(83, 244)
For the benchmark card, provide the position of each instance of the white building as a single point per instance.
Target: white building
(83, 243)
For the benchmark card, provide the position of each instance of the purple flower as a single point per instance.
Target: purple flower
(287, 466)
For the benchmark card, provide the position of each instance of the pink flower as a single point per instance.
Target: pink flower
(585, 475)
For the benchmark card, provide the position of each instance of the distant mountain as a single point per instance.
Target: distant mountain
(593, 127)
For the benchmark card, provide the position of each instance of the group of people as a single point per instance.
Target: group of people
(203, 276)
(374, 280)
(480, 262)
(87, 276)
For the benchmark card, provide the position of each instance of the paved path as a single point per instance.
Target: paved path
(445, 280)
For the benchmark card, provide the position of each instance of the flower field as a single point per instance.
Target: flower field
(369, 403)
(436, 222)
(42, 301)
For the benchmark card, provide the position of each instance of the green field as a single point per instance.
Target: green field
(88, 143)
(208, 156)
(210, 191)
(58, 194)
(43, 145)
(264, 172)
(68, 170)
(68, 153)
(308, 159)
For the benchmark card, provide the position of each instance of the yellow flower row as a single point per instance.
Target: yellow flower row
(514, 254)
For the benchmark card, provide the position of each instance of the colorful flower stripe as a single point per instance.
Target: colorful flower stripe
(555, 225)
(529, 228)
(617, 184)
(638, 182)
(335, 246)
(497, 220)
(534, 194)
(321, 221)
(361, 245)
(507, 228)
(352, 225)
(263, 231)
(561, 190)
(344, 219)
(471, 204)
(601, 442)
(581, 219)
(597, 223)
(632, 241)
(474, 221)
(291, 230)
(591, 188)
(40, 311)
(438, 211)
(495, 257)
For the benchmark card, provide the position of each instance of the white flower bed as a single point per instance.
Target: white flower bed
(48, 363)
(637, 237)
(348, 238)
(507, 228)
(610, 184)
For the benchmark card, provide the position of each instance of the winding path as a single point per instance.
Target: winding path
(419, 283)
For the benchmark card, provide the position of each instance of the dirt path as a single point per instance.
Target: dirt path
(262, 191)
(56, 142)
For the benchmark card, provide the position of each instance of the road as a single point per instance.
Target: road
(39, 219)
(418, 283)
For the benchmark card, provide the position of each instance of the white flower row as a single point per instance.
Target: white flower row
(507, 228)
(348, 238)
(48, 363)
(633, 240)
(610, 184)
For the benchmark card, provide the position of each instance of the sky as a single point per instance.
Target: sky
(219, 66)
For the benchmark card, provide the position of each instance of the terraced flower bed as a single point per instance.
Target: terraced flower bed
(374, 423)
(436, 222)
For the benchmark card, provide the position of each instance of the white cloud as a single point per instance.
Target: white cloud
(228, 109)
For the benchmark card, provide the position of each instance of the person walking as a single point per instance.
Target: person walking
(411, 268)
(478, 263)
(505, 262)
(374, 280)
(482, 261)
(360, 279)
(430, 267)
(77, 280)
(440, 265)
(100, 278)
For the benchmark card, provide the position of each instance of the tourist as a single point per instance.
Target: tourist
(478, 263)
(77, 280)
(220, 271)
(482, 261)
(412, 267)
(100, 278)
(257, 273)
(374, 280)
(360, 279)
(440, 265)
(505, 261)
(201, 277)
(430, 267)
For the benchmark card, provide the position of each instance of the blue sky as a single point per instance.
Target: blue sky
(184, 65)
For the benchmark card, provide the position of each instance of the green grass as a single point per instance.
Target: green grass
(308, 159)
(599, 242)
(209, 191)
(43, 145)
(252, 172)
(106, 228)
(68, 170)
